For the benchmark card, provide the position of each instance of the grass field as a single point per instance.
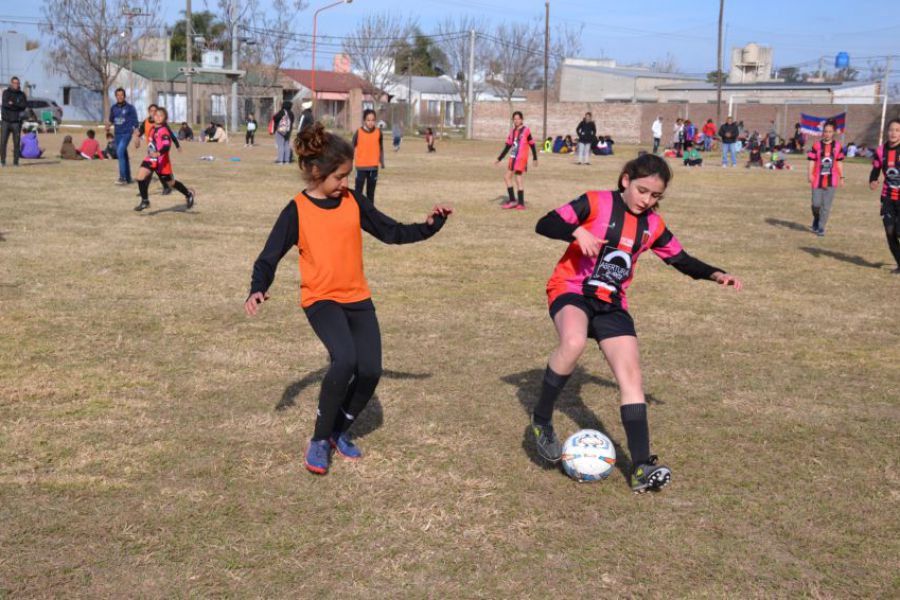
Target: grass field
(151, 435)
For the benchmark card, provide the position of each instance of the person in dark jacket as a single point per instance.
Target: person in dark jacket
(587, 137)
(284, 124)
(14, 105)
(306, 117)
(124, 119)
(729, 133)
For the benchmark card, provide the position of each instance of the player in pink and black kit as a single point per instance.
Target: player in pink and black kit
(159, 142)
(607, 231)
(825, 175)
(887, 163)
(519, 136)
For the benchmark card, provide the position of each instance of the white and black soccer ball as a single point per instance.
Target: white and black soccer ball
(588, 455)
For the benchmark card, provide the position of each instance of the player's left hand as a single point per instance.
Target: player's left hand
(725, 279)
(439, 210)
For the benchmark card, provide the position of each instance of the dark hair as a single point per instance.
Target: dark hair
(831, 122)
(163, 111)
(152, 106)
(892, 121)
(119, 89)
(14, 78)
(368, 112)
(109, 136)
(646, 165)
(519, 112)
(90, 133)
(319, 149)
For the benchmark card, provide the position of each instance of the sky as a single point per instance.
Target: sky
(799, 31)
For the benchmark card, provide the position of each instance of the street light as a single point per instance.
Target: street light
(315, 17)
(129, 13)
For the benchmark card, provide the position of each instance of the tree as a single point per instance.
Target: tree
(422, 57)
(669, 64)
(89, 40)
(372, 44)
(716, 76)
(564, 43)
(216, 34)
(517, 51)
(845, 74)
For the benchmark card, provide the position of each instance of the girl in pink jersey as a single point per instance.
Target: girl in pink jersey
(607, 231)
(886, 163)
(519, 137)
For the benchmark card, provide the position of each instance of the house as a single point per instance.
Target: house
(30, 62)
(163, 82)
(435, 101)
(340, 97)
(602, 80)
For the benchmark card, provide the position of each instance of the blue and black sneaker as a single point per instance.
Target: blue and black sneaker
(318, 456)
(650, 476)
(345, 447)
(545, 440)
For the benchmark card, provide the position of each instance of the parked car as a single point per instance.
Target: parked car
(39, 105)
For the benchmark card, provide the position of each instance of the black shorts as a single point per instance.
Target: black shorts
(605, 320)
(890, 212)
(152, 168)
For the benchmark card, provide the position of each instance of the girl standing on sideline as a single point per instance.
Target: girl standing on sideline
(159, 142)
(325, 221)
(519, 136)
(825, 175)
(369, 153)
(282, 125)
(250, 138)
(429, 139)
(607, 232)
(887, 163)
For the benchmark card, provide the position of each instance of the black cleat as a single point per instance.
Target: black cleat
(650, 476)
(144, 204)
(190, 199)
(547, 443)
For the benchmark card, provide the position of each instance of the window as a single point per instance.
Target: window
(218, 104)
(67, 95)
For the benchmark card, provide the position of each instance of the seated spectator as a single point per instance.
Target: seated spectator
(186, 133)
(90, 147)
(557, 144)
(110, 151)
(692, 157)
(30, 122)
(548, 145)
(568, 145)
(208, 133)
(755, 159)
(777, 162)
(30, 147)
(219, 135)
(852, 149)
(67, 151)
(864, 151)
(603, 147)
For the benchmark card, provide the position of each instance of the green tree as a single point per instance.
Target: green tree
(789, 74)
(421, 57)
(715, 76)
(207, 26)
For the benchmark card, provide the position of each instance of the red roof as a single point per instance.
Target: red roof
(329, 81)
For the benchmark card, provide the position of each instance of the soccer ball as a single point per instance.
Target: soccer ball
(588, 455)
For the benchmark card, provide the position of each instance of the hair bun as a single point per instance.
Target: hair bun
(310, 142)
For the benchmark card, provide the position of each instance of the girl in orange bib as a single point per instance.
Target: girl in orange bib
(325, 222)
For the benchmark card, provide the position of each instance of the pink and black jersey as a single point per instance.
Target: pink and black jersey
(518, 143)
(887, 163)
(607, 276)
(827, 169)
(160, 140)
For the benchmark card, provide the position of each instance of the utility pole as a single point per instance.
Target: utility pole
(130, 13)
(470, 91)
(409, 87)
(546, 61)
(189, 50)
(234, 65)
(884, 102)
(719, 66)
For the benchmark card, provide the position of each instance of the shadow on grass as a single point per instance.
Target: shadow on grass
(859, 261)
(178, 208)
(38, 164)
(570, 403)
(371, 418)
(786, 224)
(2, 236)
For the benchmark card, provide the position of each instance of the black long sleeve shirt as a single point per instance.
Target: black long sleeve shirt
(286, 233)
(14, 105)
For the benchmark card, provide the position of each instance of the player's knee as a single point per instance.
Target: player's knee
(571, 346)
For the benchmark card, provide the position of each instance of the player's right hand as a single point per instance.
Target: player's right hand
(589, 243)
(873, 185)
(251, 304)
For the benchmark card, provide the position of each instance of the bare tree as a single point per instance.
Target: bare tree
(565, 43)
(90, 38)
(517, 51)
(371, 46)
(669, 64)
(454, 39)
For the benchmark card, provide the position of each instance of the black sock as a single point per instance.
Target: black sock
(521, 196)
(634, 419)
(180, 187)
(512, 194)
(143, 186)
(550, 388)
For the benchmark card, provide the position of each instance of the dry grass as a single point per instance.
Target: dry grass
(141, 452)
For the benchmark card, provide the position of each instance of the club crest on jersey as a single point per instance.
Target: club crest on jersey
(827, 163)
(612, 269)
(892, 177)
(645, 238)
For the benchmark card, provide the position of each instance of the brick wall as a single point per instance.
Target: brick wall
(492, 120)
(630, 123)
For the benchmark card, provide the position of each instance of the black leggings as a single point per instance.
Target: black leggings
(369, 177)
(250, 137)
(351, 335)
(890, 213)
